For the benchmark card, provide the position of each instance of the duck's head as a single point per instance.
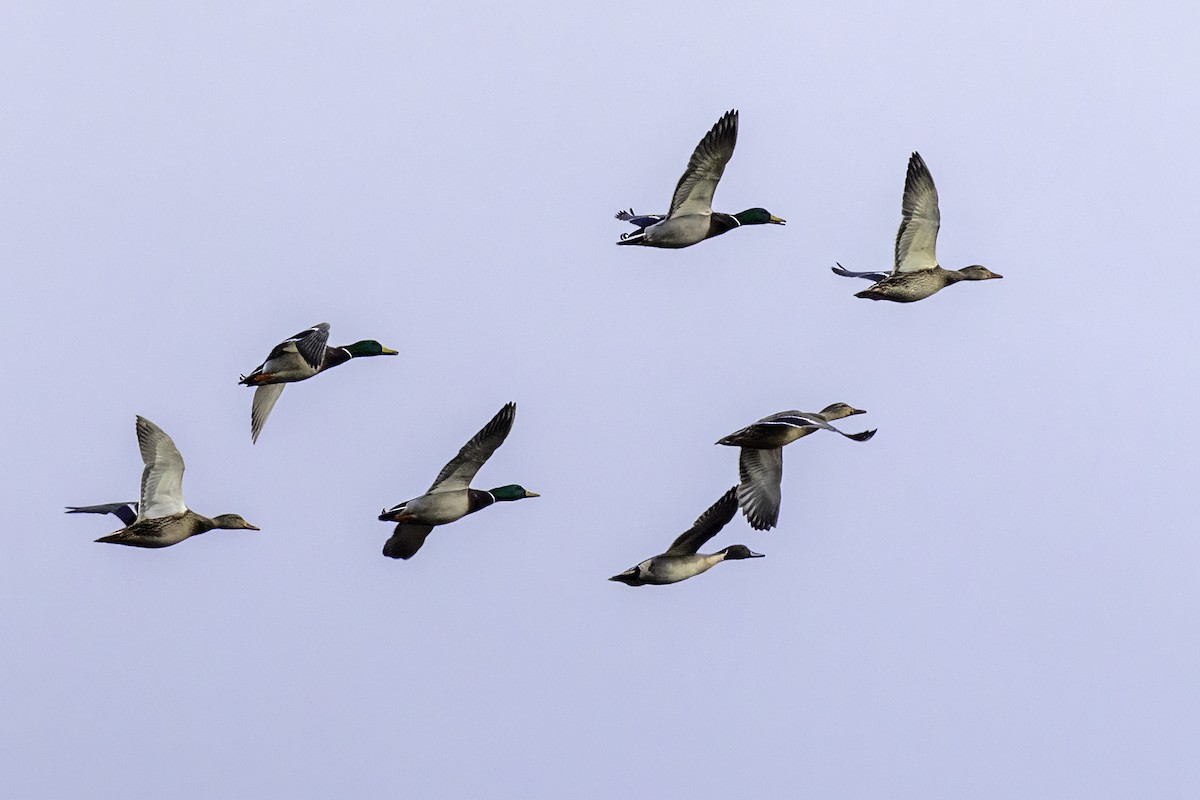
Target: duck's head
(630, 577)
(737, 552)
(512, 492)
(369, 347)
(839, 411)
(232, 522)
(978, 272)
(758, 216)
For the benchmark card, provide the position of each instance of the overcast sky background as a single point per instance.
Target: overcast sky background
(995, 597)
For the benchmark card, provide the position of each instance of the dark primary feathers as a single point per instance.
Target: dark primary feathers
(462, 468)
(708, 525)
(760, 487)
(310, 344)
(406, 540)
(699, 181)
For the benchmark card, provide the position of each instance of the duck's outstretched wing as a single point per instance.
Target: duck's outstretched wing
(265, 396)
(916, 240)
(309, 344)
(406, 540)
(162, 477)
(305, 349)
(760, 493)
(706, 526)
(694, 192)
(462, 468)
(640, 220)
(845, 273)
(816, 420)
(126, 512)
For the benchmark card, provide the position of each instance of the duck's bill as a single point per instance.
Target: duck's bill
(777, 221)
(387, 351)
(250, 527)
(757, 555)
(531, 494)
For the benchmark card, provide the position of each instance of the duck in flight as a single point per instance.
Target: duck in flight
(451, 497)
(298, 358)
(760, 462)
(682, 559)
(916, 273)
(691, 218)
(161, 518)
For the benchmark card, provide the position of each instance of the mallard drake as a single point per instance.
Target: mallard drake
(161, 518)
(691, 218)
(916, 274)
(760, 463)
(451, 497)
(298, 358)
(681, 560)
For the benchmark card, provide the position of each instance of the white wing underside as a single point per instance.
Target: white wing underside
(162, 477)
(694, 192)
(264, 400)
(916, 240)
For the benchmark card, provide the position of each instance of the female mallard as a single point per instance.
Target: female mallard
(162, 519)
(760, 463)
(296, 359)
(451, 497)
(691, 218)
(682, 561)
(916, 274)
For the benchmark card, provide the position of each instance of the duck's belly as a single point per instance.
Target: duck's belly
(672, 569)
(766, 436)
(678, 232)
(912, 286)
(439, 508)
(288, 370)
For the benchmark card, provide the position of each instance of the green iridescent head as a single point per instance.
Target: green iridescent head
(512, 492)
(368, 347)
(758, 216)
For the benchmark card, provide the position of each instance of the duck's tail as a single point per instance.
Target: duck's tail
(393, 514)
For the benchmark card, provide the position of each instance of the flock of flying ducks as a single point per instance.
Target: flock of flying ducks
(160, 518)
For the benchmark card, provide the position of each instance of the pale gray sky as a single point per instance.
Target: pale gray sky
(995, 597)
